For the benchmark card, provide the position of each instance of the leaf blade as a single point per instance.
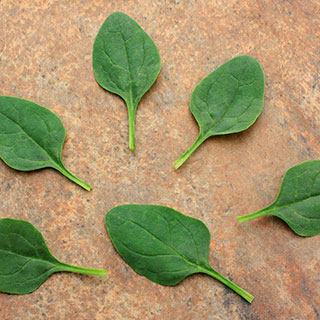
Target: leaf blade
(15, 115)
(150, 238)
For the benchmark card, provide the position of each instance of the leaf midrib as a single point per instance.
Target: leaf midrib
(275, 207)
(130, 102)
(31, 258)
(173, 249)
(32, 279)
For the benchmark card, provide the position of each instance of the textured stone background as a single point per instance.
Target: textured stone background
(45, 56)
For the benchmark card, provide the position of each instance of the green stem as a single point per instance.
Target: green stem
(178, 163)
(241, 292)
(131, 114)
(91, 272)
(253, 215)
(73, 178)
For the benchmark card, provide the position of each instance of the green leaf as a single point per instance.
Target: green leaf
(32, 137)
(25, 260)
(298, 202)
(126, 62)
(162, 244)
(228, 100)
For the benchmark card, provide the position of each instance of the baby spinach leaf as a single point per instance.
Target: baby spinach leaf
(162, 244)
(298, 202)
(126, 62)
(32, 137)
(25, 260)
(228, 100)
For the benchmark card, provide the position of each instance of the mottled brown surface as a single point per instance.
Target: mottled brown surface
(45, 56)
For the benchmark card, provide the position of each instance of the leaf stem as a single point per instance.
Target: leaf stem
(253, 215)
(73, 178)
(91, 272)
(241, 292)
(178, 163)
(131, 115)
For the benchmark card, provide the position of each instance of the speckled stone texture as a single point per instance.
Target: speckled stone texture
(45, 56)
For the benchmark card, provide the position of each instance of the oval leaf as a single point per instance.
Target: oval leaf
(228, 100)
(25, 260)
(162, 244)
(298, 202)
(126, 62)
(32, 137)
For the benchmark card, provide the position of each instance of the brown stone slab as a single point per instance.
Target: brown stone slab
(45, 56)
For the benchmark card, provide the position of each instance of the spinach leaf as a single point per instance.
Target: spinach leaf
(162, 244)
(126, 62)
(32, 137)
(298, 202)
(25, 260)
(228, 100)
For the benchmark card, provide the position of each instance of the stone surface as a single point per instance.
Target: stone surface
(45, 56)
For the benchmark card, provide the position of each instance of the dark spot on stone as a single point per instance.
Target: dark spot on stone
(316, 311)
(226, 302)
